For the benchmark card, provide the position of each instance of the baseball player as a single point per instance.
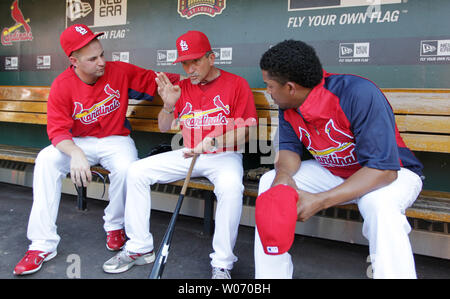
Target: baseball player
(348, 126)
(87, 125)
(215, 109)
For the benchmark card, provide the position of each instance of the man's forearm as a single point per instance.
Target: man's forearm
(80, 172)
(286, 166)
(233, 138)
(165, 121)
(287, 162)
(67, 146)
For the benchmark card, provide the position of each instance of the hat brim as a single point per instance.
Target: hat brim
(85, 42)
(189, 57)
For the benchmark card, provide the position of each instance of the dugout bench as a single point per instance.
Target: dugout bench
(423, 119)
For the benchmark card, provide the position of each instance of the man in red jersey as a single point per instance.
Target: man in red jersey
(87, 125)
(215, 110)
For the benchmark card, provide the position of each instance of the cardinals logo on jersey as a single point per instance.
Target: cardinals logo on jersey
(333, 149)
(196, 120)
(91, 115)
(15, 33)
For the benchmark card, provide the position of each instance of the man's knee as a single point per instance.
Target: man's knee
(266, 181)
(49, 154)
(228, 183)
(375, 205)
(136, 171)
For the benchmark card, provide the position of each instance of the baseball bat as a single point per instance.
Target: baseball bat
(163, 251)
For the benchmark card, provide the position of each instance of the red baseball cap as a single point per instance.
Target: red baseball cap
(276, 217)
(192, 45)
(76, 37)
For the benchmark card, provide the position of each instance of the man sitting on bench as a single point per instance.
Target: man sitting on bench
(86, 123)
(348, 126)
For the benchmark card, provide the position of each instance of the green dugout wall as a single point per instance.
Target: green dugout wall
(405, 44)
(395, 43)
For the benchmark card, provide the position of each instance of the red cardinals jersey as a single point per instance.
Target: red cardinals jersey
(77, 109)
(212, 109)
(346, 123)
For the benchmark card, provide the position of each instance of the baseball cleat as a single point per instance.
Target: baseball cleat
(32, 261)
(124, 260)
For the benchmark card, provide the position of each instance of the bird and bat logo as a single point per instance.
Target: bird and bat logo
(91, 115)
(195, 120)
(20, 31)
(334, 148)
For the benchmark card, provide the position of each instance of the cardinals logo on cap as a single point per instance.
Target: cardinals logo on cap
(80, 30)
(184, 46)
(192, 45)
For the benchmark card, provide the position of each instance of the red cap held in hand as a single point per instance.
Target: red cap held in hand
(192, 45)
(76, 37)
(276, 217)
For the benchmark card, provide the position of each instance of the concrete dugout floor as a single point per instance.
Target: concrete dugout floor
(83, 243)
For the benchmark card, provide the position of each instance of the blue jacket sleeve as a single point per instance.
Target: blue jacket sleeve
(288, 139)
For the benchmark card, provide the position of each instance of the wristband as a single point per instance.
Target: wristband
(167, 111)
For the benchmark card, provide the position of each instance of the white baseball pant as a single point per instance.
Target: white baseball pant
(385, 224)
(225, 172)
(114, 153)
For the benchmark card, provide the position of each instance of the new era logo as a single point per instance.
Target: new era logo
(346, 51)
(80, 30)
(184, 45)
(426, 48)
(429, 48)
(354, 50)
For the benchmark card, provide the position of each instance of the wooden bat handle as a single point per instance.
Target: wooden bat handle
(188, 176)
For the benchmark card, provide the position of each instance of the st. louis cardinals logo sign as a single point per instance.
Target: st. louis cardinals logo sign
(191, 8)
(21, 31)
